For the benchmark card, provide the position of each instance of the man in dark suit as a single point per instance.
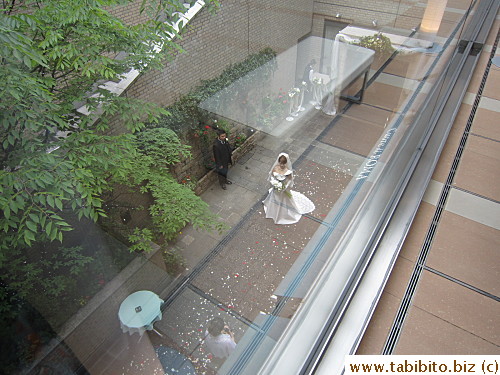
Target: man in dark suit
(222, 156)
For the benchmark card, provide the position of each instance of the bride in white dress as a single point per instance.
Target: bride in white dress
(282, 204)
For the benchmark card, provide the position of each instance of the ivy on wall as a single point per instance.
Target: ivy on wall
(185, 114)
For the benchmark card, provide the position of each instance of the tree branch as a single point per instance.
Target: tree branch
(9, 8)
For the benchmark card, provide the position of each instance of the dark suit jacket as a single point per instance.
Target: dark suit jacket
(222, 153)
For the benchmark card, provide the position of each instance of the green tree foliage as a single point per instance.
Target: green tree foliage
(55, 53)
(175, 205)
(46, 276)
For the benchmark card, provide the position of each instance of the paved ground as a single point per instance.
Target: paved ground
(237, 274)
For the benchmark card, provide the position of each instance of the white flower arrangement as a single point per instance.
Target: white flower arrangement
(317, 80)
(293, 91)
(278, 184)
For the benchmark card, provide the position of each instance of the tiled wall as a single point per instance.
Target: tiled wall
(387, 13)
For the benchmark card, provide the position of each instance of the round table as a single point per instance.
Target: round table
(173, 362)
(139, 311)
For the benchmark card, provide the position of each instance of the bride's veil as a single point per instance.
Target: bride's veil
(288, 165)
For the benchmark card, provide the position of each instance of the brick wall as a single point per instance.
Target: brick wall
(211, 42)
(130, 13)
(278, 24)
(241, 27)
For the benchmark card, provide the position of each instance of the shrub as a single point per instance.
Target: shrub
(174, 261)
(377, 42)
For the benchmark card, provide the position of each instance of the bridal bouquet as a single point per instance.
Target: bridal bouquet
(317, 80)
(279, 185)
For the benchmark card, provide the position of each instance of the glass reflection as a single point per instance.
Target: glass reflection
(341, 121)
(273, 96)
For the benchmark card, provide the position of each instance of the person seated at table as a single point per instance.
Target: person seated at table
(219, 339)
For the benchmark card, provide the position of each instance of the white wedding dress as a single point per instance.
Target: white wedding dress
(287, 206)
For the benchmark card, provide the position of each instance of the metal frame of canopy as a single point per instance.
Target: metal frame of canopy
(359, 97)
(348, 64)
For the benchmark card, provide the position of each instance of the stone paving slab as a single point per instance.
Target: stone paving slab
(184, 326)
(333, 157)
(351, 134)
(385, 96)
(323, 185)
(371, 115)
(253, 263)
(412, 66)
(195, 246)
